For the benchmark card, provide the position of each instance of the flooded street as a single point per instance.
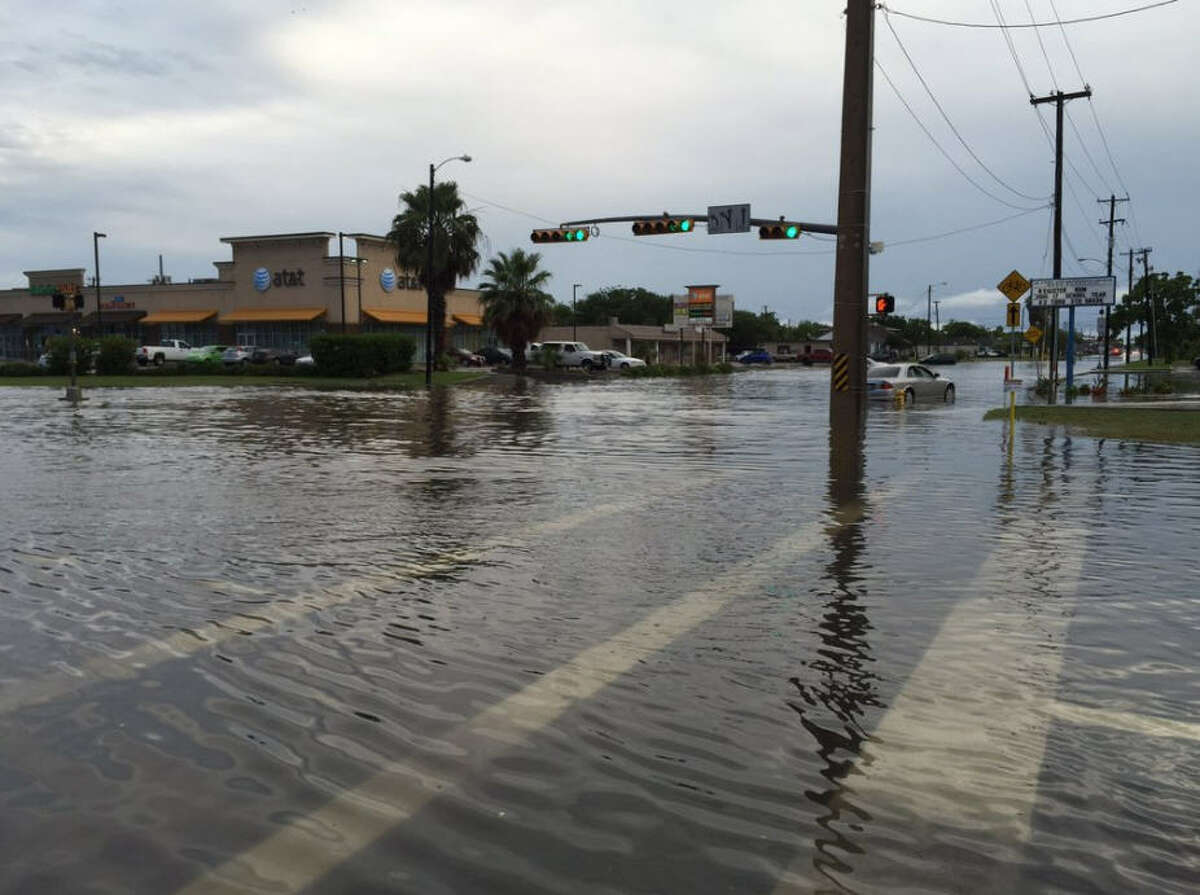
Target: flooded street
(603, 638)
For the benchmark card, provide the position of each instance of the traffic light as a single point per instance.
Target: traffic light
(782, 230)
(560, 234)
(885, 303)
(663, 225)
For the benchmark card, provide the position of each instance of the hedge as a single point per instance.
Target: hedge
(59, 348)
(20, 368)
(115, 355)
(362, 355)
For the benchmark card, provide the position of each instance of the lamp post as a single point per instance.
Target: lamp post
(929, 316)
(96, 237)
(429, 271)
(574, 292)
(342, 277)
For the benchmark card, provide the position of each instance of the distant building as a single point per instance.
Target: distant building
(653, 344)
(277, 290)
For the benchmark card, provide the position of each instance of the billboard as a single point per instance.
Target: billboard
(1071, 291)
(701, 306)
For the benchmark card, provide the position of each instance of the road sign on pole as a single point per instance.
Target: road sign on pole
(1033, 335)
(1013, 286)
(729, 218)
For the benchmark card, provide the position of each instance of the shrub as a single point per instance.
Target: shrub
(59, 348)
(20, 368)
(362, 354)
(115, 354)
(547, 357)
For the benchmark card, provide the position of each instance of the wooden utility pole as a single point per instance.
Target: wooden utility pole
(1058, 98)
(1148, 308)
(1128, 299)
(1112, 210)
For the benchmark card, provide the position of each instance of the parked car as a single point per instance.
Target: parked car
(1196, 362)
(939, 359)
(757, 356)
(272, 356)
(43, 361)
(465, 358)
(236, 355)
(166, 350)
(570, 354)
(493, 354)
(816, 356)
(619, 360)
(918, 383)
(305, 360)
(207, 354)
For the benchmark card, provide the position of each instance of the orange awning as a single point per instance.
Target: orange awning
(272, 315)
(395, 315)
(469, 319)
(178, 316)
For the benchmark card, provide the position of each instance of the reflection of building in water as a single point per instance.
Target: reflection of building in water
(276, 291)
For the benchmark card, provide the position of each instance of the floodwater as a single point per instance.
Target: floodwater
(610, 638)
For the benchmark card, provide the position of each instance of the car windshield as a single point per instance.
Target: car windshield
(884, 373)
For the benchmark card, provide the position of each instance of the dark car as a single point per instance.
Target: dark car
(757, 356)
(939, 359)
(1197, 363)
(493, 355)
(259, 355)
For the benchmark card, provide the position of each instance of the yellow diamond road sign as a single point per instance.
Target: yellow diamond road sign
(1014, 286)
(1033, 334)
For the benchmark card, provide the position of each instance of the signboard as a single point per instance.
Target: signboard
(729, 218)
(723, 312)
(1013, 286)
(697, 307)
(1033, 334)
(1013, 317)
(1073, 291)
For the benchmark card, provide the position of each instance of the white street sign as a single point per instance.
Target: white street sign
(1070, 291)
(729, 218)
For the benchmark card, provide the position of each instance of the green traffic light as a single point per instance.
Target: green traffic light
(580, 235)
(793, 231)
(685, 225)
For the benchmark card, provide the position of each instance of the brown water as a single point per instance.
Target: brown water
(611, 638)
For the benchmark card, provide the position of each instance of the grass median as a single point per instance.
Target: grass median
(1113, 421)
(389, 383)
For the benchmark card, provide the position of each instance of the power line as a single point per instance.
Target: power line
(1045, 55)
(941, 149)
(1062, 28)
(1011, 217)
(1088, 154)
(1110, 15)
(946, 117)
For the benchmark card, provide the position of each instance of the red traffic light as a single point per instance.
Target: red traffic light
(884, 303)
(560, 234)
(663, 225)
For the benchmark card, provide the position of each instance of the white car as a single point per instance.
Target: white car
(235, 355)
(619, 360)
(305, 360)
(916, 382)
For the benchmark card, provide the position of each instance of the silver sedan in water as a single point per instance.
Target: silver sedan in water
(916, 382)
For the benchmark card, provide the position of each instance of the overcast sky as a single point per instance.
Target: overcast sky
(170, 125)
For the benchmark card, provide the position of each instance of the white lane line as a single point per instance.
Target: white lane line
(961, 745)
(302, 852)
(1130, 722)
(17, 694)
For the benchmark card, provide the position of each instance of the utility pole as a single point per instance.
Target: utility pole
(928, 319)
(1148, 307)
(96, 237)
(1059, 98)
(1129, 323)
(848, 379)
(937, 320)
(1112, 209)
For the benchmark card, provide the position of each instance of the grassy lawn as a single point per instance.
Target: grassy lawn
(1130, 424)
(1141, 366)
(391, 382)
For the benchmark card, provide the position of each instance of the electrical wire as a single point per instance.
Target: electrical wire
(941, 149)
(1011, 217)
(1096, 18)
(1038, 34)
(946, 118)
(1088, 155)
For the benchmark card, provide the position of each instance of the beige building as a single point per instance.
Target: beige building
(276, 290)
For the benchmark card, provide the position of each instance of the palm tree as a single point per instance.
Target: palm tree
(455, 233)
(514, 305)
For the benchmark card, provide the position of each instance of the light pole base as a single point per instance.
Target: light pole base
(74, 394)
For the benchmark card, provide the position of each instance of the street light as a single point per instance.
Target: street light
(429, 271)
(96, 237)
(929, 315)
(574, 291)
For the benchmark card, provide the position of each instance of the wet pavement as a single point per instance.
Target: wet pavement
(603, 638)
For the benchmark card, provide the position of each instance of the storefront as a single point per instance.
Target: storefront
(275, 291)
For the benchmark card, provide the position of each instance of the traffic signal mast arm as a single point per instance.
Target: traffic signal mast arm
(701, 218)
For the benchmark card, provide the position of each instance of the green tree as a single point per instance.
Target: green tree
(1175, 314)
(964, 331)
(515, 304)
(455, 234)
(633, 305)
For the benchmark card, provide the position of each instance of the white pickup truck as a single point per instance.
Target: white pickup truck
(571, 354)
(167, 349)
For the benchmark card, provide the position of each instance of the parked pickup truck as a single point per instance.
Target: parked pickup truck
(570, 354)
(167, 349)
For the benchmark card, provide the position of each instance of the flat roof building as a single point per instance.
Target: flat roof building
(277, 290)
